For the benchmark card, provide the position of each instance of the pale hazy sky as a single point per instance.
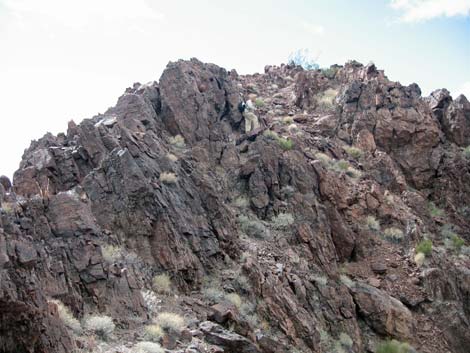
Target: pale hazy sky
(64, 59)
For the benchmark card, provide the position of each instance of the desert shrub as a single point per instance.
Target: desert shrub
(324, 158)
(111, 253)
(393, 234)
(161, 284)
(168, 178)
(354, 152)
(372, 223)
(326, 99)
(353, 173)
(466, 152)
(447, 231)
(147, 347)
(8, 207)
(435, 211)
(394, 346)
(348, 282)
(287, 191)
(150, 300)
(303, 57)
(271, 135)
(67, 317)
(424, 247)
(177, 141)
(342, 165)
(286, 144)
(320, 280)
(213, 294)
(251, 227)
(241, 202)
(170, 321)
(234, 298)
(329, 72)
(259, 103)
(102, 326)
(282, 220)
(171, 157)
(345, 340)
(287, 120)
(419, 259)
(153, 333)
(457, 242)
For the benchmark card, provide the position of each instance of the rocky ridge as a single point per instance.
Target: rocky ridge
(312, 220)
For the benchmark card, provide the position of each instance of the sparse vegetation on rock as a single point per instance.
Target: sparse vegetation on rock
(101, 326)
(170, 321)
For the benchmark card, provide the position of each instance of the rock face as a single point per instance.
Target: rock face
(298, 235)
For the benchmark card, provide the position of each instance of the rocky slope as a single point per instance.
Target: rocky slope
(299, 236)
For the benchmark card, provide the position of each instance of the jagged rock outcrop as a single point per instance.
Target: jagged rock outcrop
(310, 221)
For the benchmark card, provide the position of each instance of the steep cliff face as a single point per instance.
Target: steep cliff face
(312, 220)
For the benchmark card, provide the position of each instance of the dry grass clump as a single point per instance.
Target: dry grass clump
(153, 333)
(270, 134)
(102, 326)
(168, 178)
(326, 99)
(170, 321)
(177, 141)
(147, 347)
(354, 152)
(161, 284)
(282, 220)
(252, 227)
(419, 259)
(171, 157)
(67, 317)
(372, 223)
(393, 234)
(235, 299)
(111, 253)
(287, 120)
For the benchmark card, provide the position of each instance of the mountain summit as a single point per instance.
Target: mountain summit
(290, 211)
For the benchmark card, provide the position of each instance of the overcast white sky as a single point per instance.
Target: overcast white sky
(66, 59)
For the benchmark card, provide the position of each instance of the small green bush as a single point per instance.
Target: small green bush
(102, 326)
(286, 144)
(170, 321)
(259, 103)
(457, 242)
(466, 152)
(342, 165)
(394, 346)
(177, 141)
(287, 120)
(435, 211)
(354, 152)
(329, 72)
(161, 284)
(372, 223)
(270, 134)
(424, 247)
(168, 178)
